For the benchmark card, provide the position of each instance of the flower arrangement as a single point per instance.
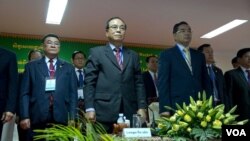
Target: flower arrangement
(80, 130)
(197, 121)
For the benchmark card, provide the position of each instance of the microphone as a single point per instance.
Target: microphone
(153, 124)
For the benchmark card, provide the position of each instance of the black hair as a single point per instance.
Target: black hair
(49, 35)
(234, 60)
(201, 47)
(33, 51)
(76, 52)
(242, 51)
(176, 26)
(148, 58)
(108, 21)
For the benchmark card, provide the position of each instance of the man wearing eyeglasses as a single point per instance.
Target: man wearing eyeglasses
(49, 89)
(182, 71)
(113, 80)
(79, 60)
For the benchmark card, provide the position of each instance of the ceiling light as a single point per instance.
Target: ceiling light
(56, 11)
(224, 28)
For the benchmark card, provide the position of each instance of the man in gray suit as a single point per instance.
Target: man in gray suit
(48, 89)
(113, 80)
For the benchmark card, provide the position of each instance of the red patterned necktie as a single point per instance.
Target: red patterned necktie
(51, 69)
(118, 57)
(51, 75)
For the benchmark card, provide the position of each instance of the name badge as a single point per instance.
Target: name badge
(50, 84)
(80, 94)
(136, 132)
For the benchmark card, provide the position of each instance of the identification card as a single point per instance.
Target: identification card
(80, 94)
(50, 84)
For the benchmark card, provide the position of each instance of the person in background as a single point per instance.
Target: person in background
(216, 75)
(8, 86)
(182, 71)
(48, 89)
(150, 79)
(238, 85)
(23, 135)
(79, 61)
(113, 79)
(235, 62)
(34, 54)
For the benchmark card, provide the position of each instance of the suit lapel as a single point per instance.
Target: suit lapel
(180, 58)
(126, 57)
(242, 75)
(43, 67)
(59, 66)
(110, 54)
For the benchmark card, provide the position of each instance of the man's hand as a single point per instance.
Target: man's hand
(7, 116)
(165, 114)
(25, 124)
(91, 116)
(143, 113)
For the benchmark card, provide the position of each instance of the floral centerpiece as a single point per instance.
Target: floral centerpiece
(197, 121)
(79, 130)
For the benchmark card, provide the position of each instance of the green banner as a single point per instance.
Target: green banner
(21, 46)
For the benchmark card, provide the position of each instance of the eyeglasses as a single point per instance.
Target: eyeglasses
(78, 58)
(183, 31)
(52, 43)
(115, 27)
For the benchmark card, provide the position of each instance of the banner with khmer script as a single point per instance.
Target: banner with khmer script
(22, 45)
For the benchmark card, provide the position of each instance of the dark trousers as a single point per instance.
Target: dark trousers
(24, 135)
(41, 126)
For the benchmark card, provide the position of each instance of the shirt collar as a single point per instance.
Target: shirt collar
(181, 47)
(152, 73)
(47, 60)
(76, 69)
(113, 47)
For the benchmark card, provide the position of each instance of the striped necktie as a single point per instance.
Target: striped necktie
(118, 57)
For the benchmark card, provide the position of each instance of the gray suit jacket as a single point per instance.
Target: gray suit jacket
(107, 86)
(34, 101)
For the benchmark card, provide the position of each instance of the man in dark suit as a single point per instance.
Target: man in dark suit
(113, 80)
(182, 71)
(24, 134)
(48, 89)
(150, 79)
(79, 60)
(216, 75)
(238, 85)
(235, 63)
(8, 86)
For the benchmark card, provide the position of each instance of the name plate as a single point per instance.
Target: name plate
(136, 132)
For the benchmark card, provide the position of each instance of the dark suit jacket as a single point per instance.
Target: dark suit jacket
(34, 101)
(239, 92)
(8, 81)
(107, 87)
(176, 83)
(220, 84)
(149, 87)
